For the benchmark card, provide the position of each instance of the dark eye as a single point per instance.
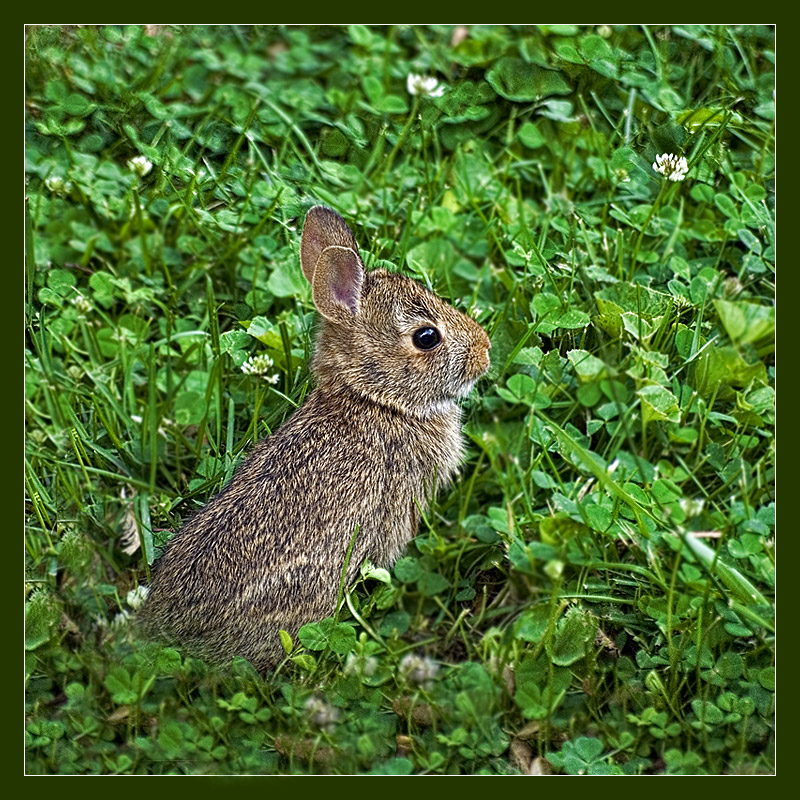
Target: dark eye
(426, 338)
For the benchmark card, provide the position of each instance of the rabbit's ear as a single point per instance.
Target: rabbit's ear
(336, 286)
(323, 228)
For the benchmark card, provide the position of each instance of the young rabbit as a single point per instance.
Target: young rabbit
(372, 443)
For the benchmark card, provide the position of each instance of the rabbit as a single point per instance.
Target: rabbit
(378, 435)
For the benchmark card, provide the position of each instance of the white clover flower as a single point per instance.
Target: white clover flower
(731, 287)
(260, 365)
(424, 85)
(672, 167)
(621, 175)
(692, 507)
(419, 669)
(121, 620)
(82, 304)
(604, 30)
(57, 185)
(257, 365)
(321, 713)
(140, 165)
(360, 665)
(136, 597)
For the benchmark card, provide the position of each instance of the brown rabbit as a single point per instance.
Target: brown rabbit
(369, 447)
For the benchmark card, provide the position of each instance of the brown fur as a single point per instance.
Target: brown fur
(363, 452)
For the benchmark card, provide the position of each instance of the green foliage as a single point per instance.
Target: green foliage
(582, 757)
(596, 591)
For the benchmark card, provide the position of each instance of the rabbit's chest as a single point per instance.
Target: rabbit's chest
(444, 445)
(423, 462)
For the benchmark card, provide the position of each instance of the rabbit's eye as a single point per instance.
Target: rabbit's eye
(426, 338)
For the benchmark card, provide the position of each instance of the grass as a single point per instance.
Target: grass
(595, 594)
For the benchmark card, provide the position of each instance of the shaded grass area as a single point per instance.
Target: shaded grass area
(595, 594)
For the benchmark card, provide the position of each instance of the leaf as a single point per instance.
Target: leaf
(545, 304)
(726, 205)
(638, 327)
(42, 613)
(707, 712)
(395, 766)
(766, 677)
(515, 80)
(587, 367)
(56, 91)
(573, 318)
(287, 281)
(395, 622)
(466, 101)
(568, 51)
(408, 570)
(375, 573)
(521, 556)
(168, 661)
(49, 297)
(373, 88)
(665, 491)
(749, 240)
(530, 135)
(431, 583)
(342, 638)
(716, 365)
(529, 356)
(392, 104)
(597, 517)
(741, 588)
(231, 341)
(532, 624)
(75, 104)
(102, 288)
(729, 667)
(540, 686)
(529, 698)
(286, 641)
(316, 635)
(263, 330)
(594, 47)
(588, 748)
(305, 661)
(190, 408)
(521, 388)
(478, 526)
(170, 739)
(574, 635)
(658, 403)
(698, 118)
(746, 323)
(360, 34)
(61, 281)
(614, 300)
(118, 683)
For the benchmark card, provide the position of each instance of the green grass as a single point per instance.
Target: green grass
(595, 594)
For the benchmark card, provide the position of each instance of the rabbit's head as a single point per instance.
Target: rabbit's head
(383, 335)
